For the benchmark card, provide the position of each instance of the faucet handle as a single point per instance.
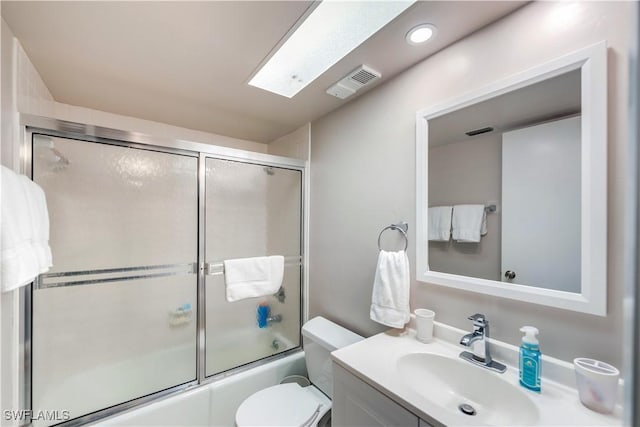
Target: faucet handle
(479, 319)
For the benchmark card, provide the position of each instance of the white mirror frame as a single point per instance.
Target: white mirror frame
(592, 61)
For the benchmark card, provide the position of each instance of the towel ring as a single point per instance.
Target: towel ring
(402, 228)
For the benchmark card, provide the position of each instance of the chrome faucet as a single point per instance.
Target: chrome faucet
(274, 319)
(478, 340)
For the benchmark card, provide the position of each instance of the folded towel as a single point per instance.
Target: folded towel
(37, 205)
(469, 223)
(19, 263)
(390, 297)
(440, 223)
(253, 277)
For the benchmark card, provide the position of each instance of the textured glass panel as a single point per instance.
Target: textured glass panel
(95, 346)
(236, 210)
(252, 210)
(234, 339)
(115, 206)
(98, 345)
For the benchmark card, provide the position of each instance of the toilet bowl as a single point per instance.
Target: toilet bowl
(289, 404)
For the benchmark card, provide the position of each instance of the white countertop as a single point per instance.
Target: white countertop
(374, 361)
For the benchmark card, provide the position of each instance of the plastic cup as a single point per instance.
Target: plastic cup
(424, 324)
(597, 384)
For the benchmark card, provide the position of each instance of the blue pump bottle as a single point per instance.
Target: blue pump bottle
(530, 359)
(262, 314)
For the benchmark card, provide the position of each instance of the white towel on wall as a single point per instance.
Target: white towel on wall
(24, 228)
(390, 296)
(37, 205)
(440, 223)
(253, 277)
(469, 223)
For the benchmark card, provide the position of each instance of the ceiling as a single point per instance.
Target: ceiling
(187, 63)
(547, 100)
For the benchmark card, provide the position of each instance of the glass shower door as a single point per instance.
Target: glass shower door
(114, 319)
(251, 211)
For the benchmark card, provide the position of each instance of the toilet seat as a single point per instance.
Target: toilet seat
(283, 405)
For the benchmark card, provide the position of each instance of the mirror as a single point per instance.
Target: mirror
(516, 155)
(511, 186)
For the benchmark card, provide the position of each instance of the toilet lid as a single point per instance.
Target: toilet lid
(280, 405)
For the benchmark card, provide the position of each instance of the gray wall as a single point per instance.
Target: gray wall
(363, 177)
(468, 171)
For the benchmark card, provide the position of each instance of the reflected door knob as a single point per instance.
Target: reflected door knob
(510, 274)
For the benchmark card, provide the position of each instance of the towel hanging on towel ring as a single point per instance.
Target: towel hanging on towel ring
(402, 228)
(391, 284)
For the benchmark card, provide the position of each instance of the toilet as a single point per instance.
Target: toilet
(290, 404)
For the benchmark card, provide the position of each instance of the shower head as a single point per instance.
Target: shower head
(59, 159)
(269, 170)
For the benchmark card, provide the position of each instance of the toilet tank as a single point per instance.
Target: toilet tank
(320, 337)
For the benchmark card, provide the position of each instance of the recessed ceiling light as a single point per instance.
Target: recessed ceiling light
(420, 34)
(328, 34)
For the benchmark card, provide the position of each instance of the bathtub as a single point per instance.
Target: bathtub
(107, 383)
(212, 404)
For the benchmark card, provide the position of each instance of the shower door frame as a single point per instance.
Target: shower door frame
(31, 124)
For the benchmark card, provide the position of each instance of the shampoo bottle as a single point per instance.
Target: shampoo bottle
(530, 359)
(262, 314)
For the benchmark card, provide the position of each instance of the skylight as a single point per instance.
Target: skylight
(327, 35)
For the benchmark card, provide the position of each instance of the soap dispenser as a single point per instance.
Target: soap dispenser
(530, 359)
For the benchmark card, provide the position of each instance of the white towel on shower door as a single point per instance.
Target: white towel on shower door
(253, 277)
(390, 296)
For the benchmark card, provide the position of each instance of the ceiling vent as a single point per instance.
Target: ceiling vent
(479, 131)
(355, 80)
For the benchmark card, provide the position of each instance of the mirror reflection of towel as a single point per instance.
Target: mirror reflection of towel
(439, 223)
(469, 223)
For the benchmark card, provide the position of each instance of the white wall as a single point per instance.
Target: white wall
(363, 176)
(7, 97)
(294, 144)
(22, 90)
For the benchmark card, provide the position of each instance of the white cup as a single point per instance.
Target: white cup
(597, 384)
(424, 324)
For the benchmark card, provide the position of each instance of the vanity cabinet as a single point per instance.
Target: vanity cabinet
(357, 404)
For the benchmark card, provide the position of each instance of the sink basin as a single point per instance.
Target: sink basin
(453, 384)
